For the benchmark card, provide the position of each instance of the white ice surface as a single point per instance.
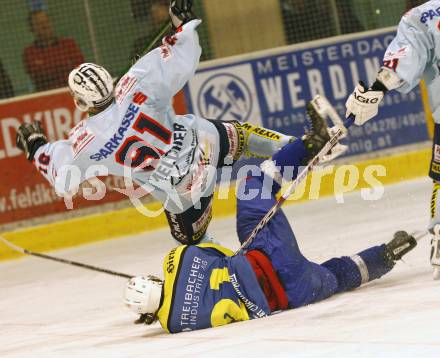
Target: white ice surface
(49, 309)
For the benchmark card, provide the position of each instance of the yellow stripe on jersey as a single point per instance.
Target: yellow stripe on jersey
(171, 271)
(218, 276)
(227, 311)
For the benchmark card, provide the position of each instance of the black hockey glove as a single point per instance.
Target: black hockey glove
(146, 318)
(181, 12)
(29, 138)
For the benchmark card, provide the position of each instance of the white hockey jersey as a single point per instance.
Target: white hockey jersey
(414, 54)
(139, 135)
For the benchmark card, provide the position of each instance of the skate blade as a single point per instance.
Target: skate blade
(436, 273)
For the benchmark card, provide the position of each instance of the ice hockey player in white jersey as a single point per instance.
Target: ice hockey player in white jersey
(132, 131)
(413, 55)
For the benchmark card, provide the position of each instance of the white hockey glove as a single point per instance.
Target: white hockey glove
(363, 103)
(181, 12)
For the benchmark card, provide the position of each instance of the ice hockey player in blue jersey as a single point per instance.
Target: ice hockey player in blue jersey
(413, 55)
(207, 286)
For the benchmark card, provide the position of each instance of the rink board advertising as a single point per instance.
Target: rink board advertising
(270, 88)
(273, 89)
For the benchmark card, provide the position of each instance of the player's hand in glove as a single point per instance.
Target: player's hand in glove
(181, 12)
(364, 102)
(29, 138)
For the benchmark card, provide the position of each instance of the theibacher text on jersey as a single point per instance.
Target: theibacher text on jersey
(190, 305)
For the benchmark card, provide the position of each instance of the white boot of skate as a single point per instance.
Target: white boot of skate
(435, 253)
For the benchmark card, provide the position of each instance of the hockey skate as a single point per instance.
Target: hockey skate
(399, 246)
(314, 140)
(318, 135)
(435, 256)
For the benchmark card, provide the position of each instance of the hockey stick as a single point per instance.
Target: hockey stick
(64, 261)
(163, 30)
(340, 132)
(418, 235)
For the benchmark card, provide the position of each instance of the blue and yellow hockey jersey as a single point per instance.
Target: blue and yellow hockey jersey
(205, 286)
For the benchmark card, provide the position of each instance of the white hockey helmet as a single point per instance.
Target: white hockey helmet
(143, 294)
(91, 86)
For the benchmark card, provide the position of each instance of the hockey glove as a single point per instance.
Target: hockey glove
(29, 138)
(363, 103)
(181, 12)
(146, 318)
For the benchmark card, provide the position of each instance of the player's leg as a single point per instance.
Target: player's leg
(303, 281)
(284, 164)
(434, 173)
(306, 282)
(223, 143)
(189, 227)
(247, 139)
(435, 253)
(261, 142)
(231, 140)
(256, 194)
(188, 204)
(370, 264)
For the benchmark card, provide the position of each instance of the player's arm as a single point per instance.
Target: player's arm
(165, 70)
(403, 66)
(32, 140)
(51, 159)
